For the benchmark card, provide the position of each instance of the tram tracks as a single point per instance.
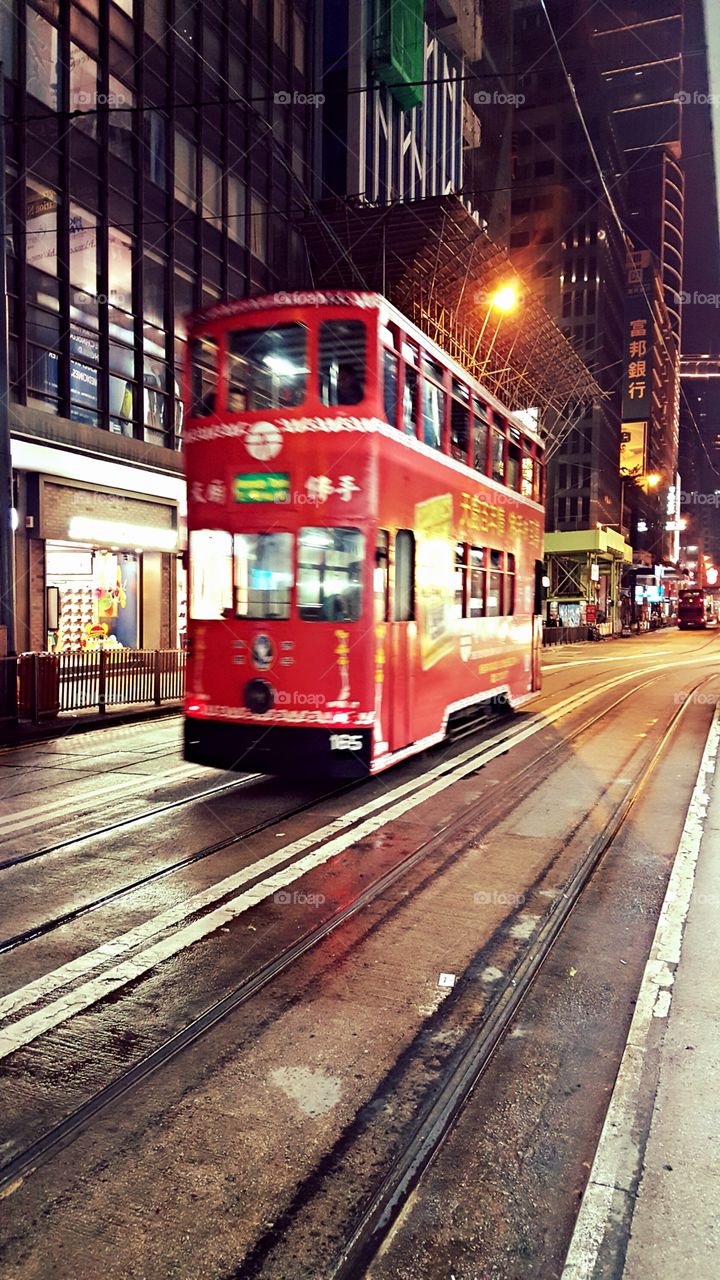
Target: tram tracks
(491, 809)
(218, 846)
(463, 1073)
(401, 1127)
(504, 740)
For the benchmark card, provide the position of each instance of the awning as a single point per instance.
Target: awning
(436, 264)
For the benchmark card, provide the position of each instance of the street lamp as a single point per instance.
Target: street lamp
(505, 299)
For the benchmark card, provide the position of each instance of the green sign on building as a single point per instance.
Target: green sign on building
(398, 55)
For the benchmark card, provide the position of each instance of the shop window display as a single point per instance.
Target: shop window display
(98, 593)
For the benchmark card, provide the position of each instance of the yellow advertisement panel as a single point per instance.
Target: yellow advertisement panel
(434, 583)
(633, 436)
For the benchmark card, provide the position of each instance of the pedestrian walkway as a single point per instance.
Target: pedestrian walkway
(71, 722)
(651, 1209)
(676, 1222)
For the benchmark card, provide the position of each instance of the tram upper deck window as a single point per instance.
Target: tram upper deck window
(330, 574)
(203, 376)
(527, 483)
(433, 403)
(408, 420)
(267, 368)
(497, 457)
(390, 385)
(480, 437)
(459, 420)
(343, 361)
(512, 477)
(263, 575)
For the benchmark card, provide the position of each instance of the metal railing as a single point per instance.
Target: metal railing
(564, 635)
(50, 683)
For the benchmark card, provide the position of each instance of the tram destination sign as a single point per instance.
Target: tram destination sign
(262, 486)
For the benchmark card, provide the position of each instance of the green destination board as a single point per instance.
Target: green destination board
(263, 486)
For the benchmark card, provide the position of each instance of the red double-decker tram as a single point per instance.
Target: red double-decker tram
(365, 539)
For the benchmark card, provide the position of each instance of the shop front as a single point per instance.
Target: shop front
(98, 567)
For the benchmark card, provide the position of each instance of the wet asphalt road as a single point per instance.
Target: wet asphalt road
(250, 1153)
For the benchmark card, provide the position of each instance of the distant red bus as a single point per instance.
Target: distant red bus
(365, 539)
(696, 608)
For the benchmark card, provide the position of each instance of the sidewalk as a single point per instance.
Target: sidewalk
(72, 722)
(651, 1208)
(676, 1222)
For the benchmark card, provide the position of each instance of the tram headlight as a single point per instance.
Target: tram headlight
(258, 696)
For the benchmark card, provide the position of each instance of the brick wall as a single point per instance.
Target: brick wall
(61, 502)
(36, 595)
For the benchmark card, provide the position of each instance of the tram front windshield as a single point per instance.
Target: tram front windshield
(268, 368)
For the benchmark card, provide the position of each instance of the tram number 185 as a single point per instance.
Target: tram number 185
(346, 742)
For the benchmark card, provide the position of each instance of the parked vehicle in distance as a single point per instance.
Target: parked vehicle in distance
(696, 608)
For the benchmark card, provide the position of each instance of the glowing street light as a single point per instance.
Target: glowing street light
(504, 300)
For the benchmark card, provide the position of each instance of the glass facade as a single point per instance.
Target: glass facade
(142, 184)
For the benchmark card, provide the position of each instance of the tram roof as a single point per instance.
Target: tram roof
(350, 298)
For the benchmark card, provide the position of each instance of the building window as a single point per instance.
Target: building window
(212, 192)
(41, 228)
(154, 269)
(122, 405)
(280, 24)
(155, 136)
(258, 227)
(299, 43)
(84, 376)
(185, 170)
(120, 121)
(83, 265)
(83, 90)
(43, 61)
(119, 269)
(236, 218)
(8, 37)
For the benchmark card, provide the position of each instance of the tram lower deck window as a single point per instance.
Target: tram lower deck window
(263, 575)
(329, 574)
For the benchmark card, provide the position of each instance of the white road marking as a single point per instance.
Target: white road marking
(585, 662)
(343, 832)
(617, 1155)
